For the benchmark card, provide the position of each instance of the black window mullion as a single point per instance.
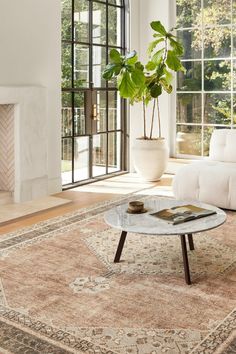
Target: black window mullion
(72, 81)
(90, 81)
(73, 90)
(107, 103)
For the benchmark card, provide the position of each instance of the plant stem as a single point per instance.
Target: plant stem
(159, 118)
(153, 114)
(166, 49)
(144, 120)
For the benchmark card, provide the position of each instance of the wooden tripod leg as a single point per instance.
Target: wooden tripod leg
(185, 260)
(120, 246)
(190, 242)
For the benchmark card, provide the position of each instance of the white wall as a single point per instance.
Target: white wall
(30, 55)
(142, 13)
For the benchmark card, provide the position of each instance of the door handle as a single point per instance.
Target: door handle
(95, 114)
(94, 111)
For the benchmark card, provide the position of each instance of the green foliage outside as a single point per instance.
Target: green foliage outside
(80, 33)
(217, 44)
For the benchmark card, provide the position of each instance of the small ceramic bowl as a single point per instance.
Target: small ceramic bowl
(136, 206)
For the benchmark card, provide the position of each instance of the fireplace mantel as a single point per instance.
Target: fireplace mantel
(30, 140)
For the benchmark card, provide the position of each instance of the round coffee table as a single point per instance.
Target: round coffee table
(148, 224)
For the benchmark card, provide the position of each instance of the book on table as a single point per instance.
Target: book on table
(180, 214)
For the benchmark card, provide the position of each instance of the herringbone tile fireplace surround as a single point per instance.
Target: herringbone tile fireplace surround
(7, 163)
(23, 142)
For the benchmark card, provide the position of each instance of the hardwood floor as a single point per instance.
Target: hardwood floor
(87, 195)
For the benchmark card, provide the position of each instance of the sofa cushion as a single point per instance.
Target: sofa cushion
(223, 145)
(212, 182)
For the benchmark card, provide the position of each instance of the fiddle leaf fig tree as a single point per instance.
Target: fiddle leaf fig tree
(146, 82)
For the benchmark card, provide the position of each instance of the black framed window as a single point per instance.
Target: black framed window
(206, 92)
(93, 115)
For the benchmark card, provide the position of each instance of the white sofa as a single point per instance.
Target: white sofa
(213, 180)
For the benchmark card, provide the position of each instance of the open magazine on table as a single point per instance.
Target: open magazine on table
(180, 214)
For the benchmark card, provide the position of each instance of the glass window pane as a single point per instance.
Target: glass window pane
(217, 75)
(66, 14)
(189, 107)
(99, 154)
(99, 63)
(66, 65)
(114, 110)
(66, 114)
(115, 2)
(102, 109)
(234, 75)
(114, 152)
(66, 161)
(188, 16)
(213, 19)
(79, 114)
(81, 20)
(207, 132)
(234, 40)
(234, 109)
(81, 158)
(114, 26)
(234, 11)
(188, 140)
(217, 108)
(192, 43)
(81, 66)
(192, 79)
(217, 42)
(216, 12)
(99, 23)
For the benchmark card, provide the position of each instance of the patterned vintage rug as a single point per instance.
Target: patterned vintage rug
(60, 291)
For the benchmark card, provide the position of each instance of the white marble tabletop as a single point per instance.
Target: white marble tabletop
(148, 224)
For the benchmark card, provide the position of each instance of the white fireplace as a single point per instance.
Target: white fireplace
(23, 142)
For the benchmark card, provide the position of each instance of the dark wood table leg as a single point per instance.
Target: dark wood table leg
(190, 241)
(120, 246)
(185, 260)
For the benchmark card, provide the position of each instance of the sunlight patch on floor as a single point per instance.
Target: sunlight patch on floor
(129, 183)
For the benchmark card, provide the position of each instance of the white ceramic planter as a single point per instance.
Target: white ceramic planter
(150, 158)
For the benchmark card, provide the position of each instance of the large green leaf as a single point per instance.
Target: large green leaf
(157, 57)
(153, 45)
(132, 60)
(178, 48)
(129, 68)
(117, 69)
(157, 35)
(167, 87)
(158, 27)
(150, 79)
(173, 61)
(115, 56)
(168, 76)
(156, 90)
(139, 65)
(108, 71)
(138, 77)
(126, 87)
(151, 66)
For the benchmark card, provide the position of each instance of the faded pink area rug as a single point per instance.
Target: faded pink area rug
(60, 291)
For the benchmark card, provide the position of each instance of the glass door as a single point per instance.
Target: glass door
(93, 125)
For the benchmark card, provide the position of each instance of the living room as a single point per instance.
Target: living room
(117, 176)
